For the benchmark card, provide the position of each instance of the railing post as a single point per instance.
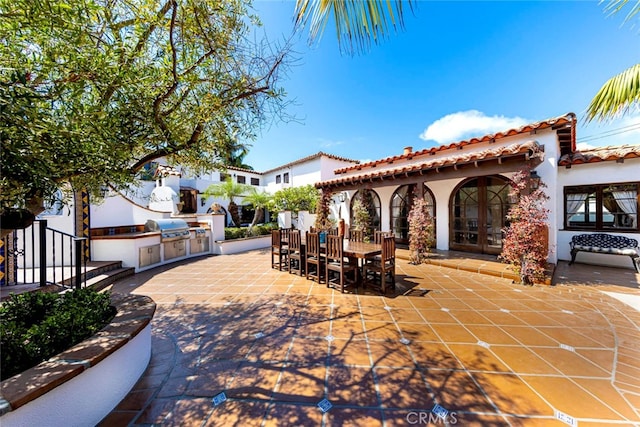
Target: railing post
(78, 263)
(43, 251)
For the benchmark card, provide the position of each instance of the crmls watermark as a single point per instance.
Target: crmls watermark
(428, 417)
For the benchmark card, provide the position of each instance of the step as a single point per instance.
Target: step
(105, 279)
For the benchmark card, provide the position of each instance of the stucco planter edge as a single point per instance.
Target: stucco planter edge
(133, 317)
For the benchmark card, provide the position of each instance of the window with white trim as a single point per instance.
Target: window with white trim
(602, 207)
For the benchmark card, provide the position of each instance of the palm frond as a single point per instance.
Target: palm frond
(617, 96)
(358, 22)
(614, 6)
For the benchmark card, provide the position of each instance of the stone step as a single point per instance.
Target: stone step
(107, 278)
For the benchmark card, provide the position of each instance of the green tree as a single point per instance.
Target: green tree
(259, 200)
(296, 199)
(92, 90)
(358, 23)
(421, 229)
(361, 216)
(621, 93)
(228, 190)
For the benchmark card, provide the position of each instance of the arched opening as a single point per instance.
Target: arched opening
(371, 201)
(401, 203)
(478, 210)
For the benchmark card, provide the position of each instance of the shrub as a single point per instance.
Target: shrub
(35, 326)
(523, 246)
(231, 233)
(421, 230)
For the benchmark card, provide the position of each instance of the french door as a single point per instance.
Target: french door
(478, 210)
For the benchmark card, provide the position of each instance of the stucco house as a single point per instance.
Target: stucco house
(465, 184)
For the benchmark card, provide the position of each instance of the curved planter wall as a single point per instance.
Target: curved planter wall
(80, 386)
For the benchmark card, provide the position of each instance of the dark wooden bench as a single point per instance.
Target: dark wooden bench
(605, 244)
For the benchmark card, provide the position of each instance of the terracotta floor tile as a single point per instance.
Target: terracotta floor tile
(254, 381)
(570, 363)
(346, 352)
(375, 314)
(535, 319)
(270, 349)
(523, 361)
(309, 351)
(457, 392)
(238, 413)
(568, 336)
(118, 418)
(469, 317)
(347, 330)
(402, 388)
(511, 395)
(436, 315)
(135, 400)
(293, 415)
(450, 333)
(609, 396)
(212, 378)
(491, 334)
(404, 315)
(418, 332)
(529, 336)
(569, 398)
(433, 355)
(301, 384)
(502, 318)
(382, 331)
(390, 354)
(477, 358)
(353, 417)
(351, 386)
(187, 412)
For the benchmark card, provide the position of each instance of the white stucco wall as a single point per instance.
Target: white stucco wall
(116, 210)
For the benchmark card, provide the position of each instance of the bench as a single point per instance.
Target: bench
(605, 244)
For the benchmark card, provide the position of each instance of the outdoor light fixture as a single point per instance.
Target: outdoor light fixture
(342, 196)
(535, 180)
(203, 201)
(104, 191)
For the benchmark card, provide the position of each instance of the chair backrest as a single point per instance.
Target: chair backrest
(312, 229)
(284, 233)
(313, 244)
(294, 240)
(276, 238)
(388, 248)
(332, 231)
(378, 236)
(334, 247)
(356, 235)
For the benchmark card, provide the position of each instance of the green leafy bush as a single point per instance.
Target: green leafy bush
(231, 233)
(36, 326)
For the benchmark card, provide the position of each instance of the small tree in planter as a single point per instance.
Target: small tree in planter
(323, 222)
(361, 218)
(524, 246)
(421, 230)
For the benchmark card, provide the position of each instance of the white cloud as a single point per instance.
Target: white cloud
(466, 124)
(328, 143)
(584, 146)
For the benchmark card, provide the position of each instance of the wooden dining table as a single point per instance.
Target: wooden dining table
(355, 250)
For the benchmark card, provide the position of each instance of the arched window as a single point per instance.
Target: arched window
(401, 203)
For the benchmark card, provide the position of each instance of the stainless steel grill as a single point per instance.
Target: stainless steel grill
(170, 229)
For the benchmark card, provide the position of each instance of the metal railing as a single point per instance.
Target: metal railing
(43, 255)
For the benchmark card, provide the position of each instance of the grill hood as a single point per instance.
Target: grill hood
(170, 229)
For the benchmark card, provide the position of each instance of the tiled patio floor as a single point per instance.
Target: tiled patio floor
(487, 351)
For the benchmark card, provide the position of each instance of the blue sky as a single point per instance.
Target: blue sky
(459, 69)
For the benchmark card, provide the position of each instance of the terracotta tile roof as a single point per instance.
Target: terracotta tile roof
(568, 118)
(312, 157)
(600, 154)
(530, 148)
(166, 170)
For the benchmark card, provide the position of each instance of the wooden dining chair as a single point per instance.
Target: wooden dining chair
(296, 253)
(386, 266)
(379, 235)
(278, 251)
(356, 235)
(337, 263)
(314, 257)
